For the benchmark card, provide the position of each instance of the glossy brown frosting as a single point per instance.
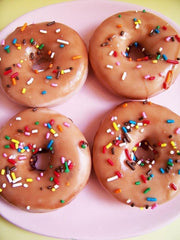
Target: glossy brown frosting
(136, 154)
(43, 64)
(45, 160)
(135, 54)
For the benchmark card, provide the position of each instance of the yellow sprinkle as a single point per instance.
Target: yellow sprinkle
(62, 71)
(163, 144)
(115, 126)
(29, 180)
(60, 128)
(155, 61)
(53, 189)
(137, 127)
(3, 171)
(108, 145)
(21, 61)
(19, 48)
(23, 27)
(16, 145)
(23, 150)
(23, 91)
(1, 190)
(13, 175)
(14, 141)
(134, 149)
(76, 57)
(37, 46)
(173, 143)
(141, 208)
(117, 190)
(139, 21)
(52, 131)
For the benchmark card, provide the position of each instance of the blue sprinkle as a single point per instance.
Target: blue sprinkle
(170, 160)
(19, 150)
(61, 45)
(14, 41)
(49, 77)
(135, 44)
(26, 147)
(132, 122)
(170, 121)
(49, 125)
(134, 19)
(152, 175)
(124, 129)
(151, 199)
(165, 57)
(157, 30)
(162, 170)
(179, 172)
(43, 92)
(50, 144)
(6, 47)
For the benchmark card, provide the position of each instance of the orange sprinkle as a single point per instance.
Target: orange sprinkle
(50, 65)
(36, 71)
(23, 27)
(119, 26)
(60, 128)
(124, 105)
(117, 190)
(13, 81)
(49, 52)
(76, 57)
(168, 80)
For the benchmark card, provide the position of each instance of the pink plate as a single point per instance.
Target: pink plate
(93, 214)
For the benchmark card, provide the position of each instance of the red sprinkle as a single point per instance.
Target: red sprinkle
(164, 28)
(56, 174)
(110, 162)
(173, 186)
(14, 75)
(172, 61)
(127, 154)
(118, 174)
(104, 149)
(7, 72)
(12, 161)
(177, 37)
(146, 121)
(143, 178)
(56, 181)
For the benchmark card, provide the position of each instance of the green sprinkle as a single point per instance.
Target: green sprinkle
(143, 10)
(138, 183)
(41, 46)
(31, 40)
(7, 146)
(149, 178)
(119, 16)
(51, 179)
(147, 190)
(66, 167)
(36, 123)
(62, 201)
(158, 27)
(7, 138)
(51, 166)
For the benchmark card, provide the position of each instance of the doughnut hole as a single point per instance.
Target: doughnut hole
(40, 59)
(40, 160)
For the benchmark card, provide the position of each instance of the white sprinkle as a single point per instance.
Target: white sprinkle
(124, 76)
(38, 178)
(122, 144)
(139, 66)
(160, 49)
(112, 178)
(30, 81)
(128, 201)
(4, 185)
(25, 185)
(52, 55)
(18, 118)
(111, 53)
(108, 130)
(17, 180)
(62, 41)
(63, 160)
(47, 135)
(34, 131)
(9, 178)
(28, 208)
(43, 31)
(17, 184)
(66, 70)
(56, 186)
(142, 130)
(109, 66)
(54, 85)
(22, 157)
(27, 133)
(58, 30)
(56, 135)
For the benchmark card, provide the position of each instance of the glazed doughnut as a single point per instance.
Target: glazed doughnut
(135, 54)
(42, 64)
(45, 160)
(136, 154)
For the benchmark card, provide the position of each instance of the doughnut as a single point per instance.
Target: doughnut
(136, 154)
(42, 64)
(45, 160)
(135, 54)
